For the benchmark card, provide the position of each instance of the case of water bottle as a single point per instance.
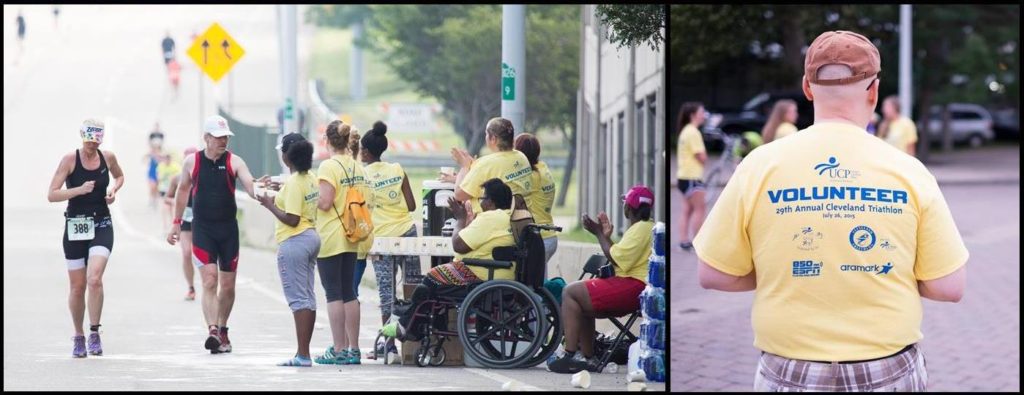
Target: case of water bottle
(652, 305)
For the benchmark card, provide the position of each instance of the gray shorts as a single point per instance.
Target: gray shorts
(296, 261)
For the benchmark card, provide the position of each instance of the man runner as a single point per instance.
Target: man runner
(209, 178)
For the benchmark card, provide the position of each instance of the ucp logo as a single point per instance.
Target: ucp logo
(834, 171)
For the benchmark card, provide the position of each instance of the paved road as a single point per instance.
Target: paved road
(970, 346)
(104, 62)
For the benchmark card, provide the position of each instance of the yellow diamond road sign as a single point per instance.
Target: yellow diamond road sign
(215, 52)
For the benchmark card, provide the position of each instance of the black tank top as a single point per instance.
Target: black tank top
(213, 189)
(92, 203)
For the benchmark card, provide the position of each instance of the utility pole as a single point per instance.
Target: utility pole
(289, 70)
(513, 65)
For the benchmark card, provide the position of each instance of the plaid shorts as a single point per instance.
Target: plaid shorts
(903, 372)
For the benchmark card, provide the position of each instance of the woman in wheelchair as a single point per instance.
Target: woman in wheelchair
(474, 238)
(617, 291)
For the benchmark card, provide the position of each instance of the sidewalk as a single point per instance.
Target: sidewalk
(998, 164)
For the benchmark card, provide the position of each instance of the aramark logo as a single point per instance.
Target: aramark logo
(806, 269)
(878, 270)
(834, 171)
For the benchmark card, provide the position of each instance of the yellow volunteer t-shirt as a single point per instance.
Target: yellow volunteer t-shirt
(364, 247)
(785, 129)
(902, 131)
(690, 144)
(631, 253)
(511, 167)
(839, 228)
(166, 171)
(488, 230)
(391, 217)
(542, 198)
(298, 196)
(328, 223)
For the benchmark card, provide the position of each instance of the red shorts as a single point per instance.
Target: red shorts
(616, 296)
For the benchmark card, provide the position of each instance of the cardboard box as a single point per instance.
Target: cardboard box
(452, 346)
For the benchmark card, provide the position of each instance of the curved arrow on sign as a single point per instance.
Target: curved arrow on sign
(225, 45)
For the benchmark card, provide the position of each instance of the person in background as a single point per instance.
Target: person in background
(897, 130)
(542, 196)
(781, 122)
(186, 230)
(393, 203)
(690, 177)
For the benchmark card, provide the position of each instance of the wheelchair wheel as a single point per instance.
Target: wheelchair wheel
(498, 324)
(432, 355)
(553, 337)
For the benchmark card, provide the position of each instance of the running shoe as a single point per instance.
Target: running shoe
(213, 341)
(566, 364)
(328, 358)
(354, 357)
(225, 344)
(95, 346)
(297, 361)
(79, 350)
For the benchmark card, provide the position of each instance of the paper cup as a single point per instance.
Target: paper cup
(637, 376)
(447, 170)
(510, 386)
(636, 387)
(581, 380)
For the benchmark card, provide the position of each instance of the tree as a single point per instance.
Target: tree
(632, 25)
(453, 53)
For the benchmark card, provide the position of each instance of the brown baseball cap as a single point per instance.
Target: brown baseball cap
(845, 48)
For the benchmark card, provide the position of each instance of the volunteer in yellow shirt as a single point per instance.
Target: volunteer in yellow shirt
(168, 168)
(898, 130)
(542, 197)
(839, 236)
(337, 258)
(298, 243)
(613, 296)
(781, 121)
(473, 238)
(691, 156)
(504, 163)
(393, 204)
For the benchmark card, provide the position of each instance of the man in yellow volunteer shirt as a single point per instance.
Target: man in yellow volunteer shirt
(839, 235)
(475, 238)
(899, 130)
(504, 163)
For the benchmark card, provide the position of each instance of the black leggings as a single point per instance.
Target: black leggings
(336, 275)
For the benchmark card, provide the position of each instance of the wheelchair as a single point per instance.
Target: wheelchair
(501, 323)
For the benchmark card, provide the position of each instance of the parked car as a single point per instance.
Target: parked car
(968, 123)
(1006, 123)
(753, 115)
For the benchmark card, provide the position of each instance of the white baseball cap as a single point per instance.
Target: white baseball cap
(217, 126)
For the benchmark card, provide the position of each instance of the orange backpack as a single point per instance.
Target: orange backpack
(355, 216)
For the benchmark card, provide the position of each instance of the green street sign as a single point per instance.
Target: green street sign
(508, 82)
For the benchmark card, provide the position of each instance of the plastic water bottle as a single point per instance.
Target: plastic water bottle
(634, 358)
(652, 333)
(659, 239)
(653, 364)
(611, 368)
(656, 271)
(652, 301)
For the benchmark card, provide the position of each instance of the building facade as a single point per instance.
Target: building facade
(620, 122)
